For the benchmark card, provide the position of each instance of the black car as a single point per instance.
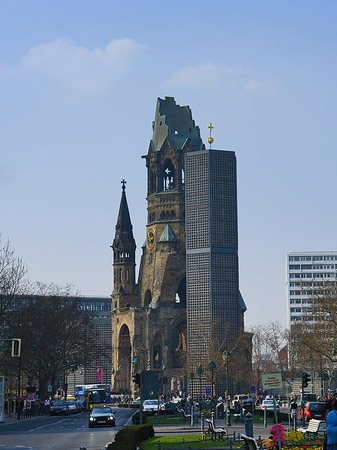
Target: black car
(102, 416)
(59, 407)
(315, 410)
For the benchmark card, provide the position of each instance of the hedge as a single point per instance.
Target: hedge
(129, 437)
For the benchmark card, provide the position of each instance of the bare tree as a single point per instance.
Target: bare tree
(314, 338)
(57, 337)
(13, 280)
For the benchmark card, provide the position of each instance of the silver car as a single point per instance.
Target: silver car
(152, 405)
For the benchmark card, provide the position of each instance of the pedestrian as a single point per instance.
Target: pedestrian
(331, 426)
(273, 432)
(293, 411)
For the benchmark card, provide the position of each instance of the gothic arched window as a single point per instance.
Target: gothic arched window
(168, 175)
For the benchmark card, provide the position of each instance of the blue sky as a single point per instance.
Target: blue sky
(78, 87)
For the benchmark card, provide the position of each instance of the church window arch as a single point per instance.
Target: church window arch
(180, 298)
(124, 358)
(157, 354)
(179, 345)
(147, 298)
(168, 175)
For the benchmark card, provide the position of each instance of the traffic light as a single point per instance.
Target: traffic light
(16, 348)
(136, 378)
(305, 379)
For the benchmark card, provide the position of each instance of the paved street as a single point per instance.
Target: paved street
(59, 432)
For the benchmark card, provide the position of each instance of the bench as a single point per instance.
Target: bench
(250, 443)
(313, 427)
(184, 414)
(215, 432)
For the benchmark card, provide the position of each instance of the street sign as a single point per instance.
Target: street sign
(50, 388)
(271, 381)
(292, 382)
(253, 389)
(208, 390)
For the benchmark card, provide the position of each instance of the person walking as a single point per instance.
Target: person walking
(331, 427)
(293, 411)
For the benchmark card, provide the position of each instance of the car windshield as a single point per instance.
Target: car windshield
(101, 410)
(151, 402)
(316, 406)
(71, 402)
(59, 403)
(268, 402)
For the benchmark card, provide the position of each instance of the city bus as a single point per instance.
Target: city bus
(94, 397)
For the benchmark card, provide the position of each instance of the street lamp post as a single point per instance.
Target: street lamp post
(226, 356)
(212, 366)
(199, 370)
(191, 377)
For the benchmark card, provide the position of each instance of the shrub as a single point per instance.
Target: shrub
(129, 437)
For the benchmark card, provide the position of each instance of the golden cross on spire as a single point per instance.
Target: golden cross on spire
(210, 140)
(123, 184)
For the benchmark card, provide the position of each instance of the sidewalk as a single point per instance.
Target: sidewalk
(258, 429)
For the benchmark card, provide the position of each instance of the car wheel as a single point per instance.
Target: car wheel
(91, 425)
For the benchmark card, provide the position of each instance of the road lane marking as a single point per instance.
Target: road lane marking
(48, 425)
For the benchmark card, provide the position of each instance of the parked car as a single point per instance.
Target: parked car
(315, 410)
(102, 416)
(269, 404)
(239, 398)
(59, 407)
(247, 404)
(152, 405)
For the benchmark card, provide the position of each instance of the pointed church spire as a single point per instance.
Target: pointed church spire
(124, 252)
(124, 240)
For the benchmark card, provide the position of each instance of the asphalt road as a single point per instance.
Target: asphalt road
(59, 432)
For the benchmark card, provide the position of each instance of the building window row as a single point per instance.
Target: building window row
(313, 258)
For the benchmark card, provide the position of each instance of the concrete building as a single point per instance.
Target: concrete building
(215, 307)
(306, 271)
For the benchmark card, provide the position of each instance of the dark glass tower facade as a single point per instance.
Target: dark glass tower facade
(213, 299)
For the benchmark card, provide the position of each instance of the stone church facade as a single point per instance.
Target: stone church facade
(149, 316)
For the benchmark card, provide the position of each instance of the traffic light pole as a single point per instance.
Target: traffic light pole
(141, 399)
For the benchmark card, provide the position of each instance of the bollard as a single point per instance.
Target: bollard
(192, 416)
(249, 425)
(159, 445)
(265, 418)
(184, 443)
(212, 418)
(202, 422)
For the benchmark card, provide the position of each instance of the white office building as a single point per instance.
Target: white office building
(306, 271)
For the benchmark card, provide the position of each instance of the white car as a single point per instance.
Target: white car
(72, 406)
(152, 405)
(269, 404)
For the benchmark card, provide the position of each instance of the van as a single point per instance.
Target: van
(239, 398)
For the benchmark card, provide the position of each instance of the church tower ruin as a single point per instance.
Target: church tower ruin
(149, 318)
